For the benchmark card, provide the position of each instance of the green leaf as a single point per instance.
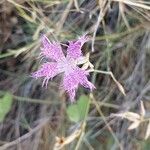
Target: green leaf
(83, 106)
(77, 112)
(73, 113)
(5, 105)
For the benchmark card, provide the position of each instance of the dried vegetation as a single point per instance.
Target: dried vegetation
(120, 52)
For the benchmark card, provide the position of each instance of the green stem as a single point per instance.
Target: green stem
(30, 100)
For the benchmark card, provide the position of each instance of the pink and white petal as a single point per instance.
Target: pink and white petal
(72, 80)
(48, 71)
(51, 50)
(87, 84)
(74, 48)
(83, 80)
(72, 94)
(70, 84)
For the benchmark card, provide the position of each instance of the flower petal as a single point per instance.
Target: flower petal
(72, 80)
(72, 94)
(74, 48)
(51, 50)
(83, 80)
(47, 70)
(70, 84)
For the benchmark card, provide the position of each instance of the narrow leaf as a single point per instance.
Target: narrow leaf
(83, 106)
(5, 105)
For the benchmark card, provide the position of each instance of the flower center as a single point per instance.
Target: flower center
(66, 65)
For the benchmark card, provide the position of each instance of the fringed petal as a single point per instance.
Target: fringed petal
(72, 80)
(74, 48)
(48, 71)
(51, 50)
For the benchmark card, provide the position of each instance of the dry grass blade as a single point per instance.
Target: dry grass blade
(141, 12)
(61, 142)
(121, 8)
(129, 115)
(64, 16)
(147, 131)
(134, 3)
(103, 9)
(134, 125)
(18, 5)
(143, 112)
(77, 5)
(112, 76)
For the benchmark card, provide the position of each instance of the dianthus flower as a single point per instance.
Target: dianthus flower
(58, 63)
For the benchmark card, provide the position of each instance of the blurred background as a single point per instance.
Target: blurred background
(35, 118)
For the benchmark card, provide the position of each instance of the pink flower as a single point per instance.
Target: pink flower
(73, 76)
